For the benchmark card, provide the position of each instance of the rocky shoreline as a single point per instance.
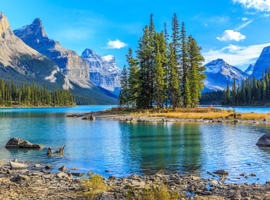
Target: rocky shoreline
(37, 182)
(127, 118)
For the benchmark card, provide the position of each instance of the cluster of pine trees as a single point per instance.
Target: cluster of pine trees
(163, 72)
(211, 98)
(33, 95)
(250, 92)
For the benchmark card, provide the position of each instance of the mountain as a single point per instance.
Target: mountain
(219, 73)
(250, 69)
(20, 62)
(104, 71)
(262, 63)
(68, 61)
(73, 68)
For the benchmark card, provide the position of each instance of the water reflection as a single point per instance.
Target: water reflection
(127, 148)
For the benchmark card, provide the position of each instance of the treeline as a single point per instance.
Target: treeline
(11, 94)
(211, 98)
(164, 72)
(250, 92)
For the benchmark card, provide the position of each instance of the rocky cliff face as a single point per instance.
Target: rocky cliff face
(219, 73)
(250, 69)
(69, 62)
(14, 53)
(104, 71)
(262, 63)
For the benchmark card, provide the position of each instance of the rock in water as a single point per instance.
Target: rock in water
(91, 117)
(49, 152)
(60, 150)
(264, 140)
(20, 143)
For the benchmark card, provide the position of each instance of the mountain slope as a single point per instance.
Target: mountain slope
(262, 63)
(219, 73)
(75, 70)
(104, 71)
(250, 69)
(19, 62)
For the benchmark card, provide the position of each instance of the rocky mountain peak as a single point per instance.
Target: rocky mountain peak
(5, 31)
(37, 22)
(89, 53)
(262, 63)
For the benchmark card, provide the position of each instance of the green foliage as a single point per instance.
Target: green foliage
(11, 95)
(163, 73)
(249, 93)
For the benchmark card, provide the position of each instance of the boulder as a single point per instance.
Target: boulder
(21, 178)
(62, 169)
(62, 175)
(20, 143)
(77, 174)
(48, 166)
(17, 165)
(90, 173)
(221, 172)
(90, 117)
(264, 140)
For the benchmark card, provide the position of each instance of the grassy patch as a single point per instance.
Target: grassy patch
(161, 192)
(93, 186)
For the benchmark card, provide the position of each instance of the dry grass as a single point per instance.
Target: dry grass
(93, 186)
(213, 115)
(161, 192)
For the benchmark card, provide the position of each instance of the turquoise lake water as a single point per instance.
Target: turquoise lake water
(142, 148)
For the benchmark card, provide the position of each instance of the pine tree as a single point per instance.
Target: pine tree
(187, 93)
(124, 92)
(228, 94)
(224, 98)
(158, 79)
(184, 65)
(133, 84)
(233, 99)
(173, 79)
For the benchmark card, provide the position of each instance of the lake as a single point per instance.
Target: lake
(142, 148)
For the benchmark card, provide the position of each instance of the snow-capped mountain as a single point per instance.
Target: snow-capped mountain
(262, 63)
(219, 73)
(70, 63)
(250, 69)
(104, 71)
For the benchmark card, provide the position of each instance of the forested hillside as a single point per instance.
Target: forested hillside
(31, 96)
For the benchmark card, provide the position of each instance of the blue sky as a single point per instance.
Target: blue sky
(235, 30)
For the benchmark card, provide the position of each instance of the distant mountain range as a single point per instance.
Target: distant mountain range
(28, 54)
(219, 73)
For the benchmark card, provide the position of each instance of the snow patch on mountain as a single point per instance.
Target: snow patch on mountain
(52, 78)
(219, 73)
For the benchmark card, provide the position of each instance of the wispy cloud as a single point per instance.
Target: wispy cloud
(243, 25)
(116, 44)
(260, 5)
(231, 35)
(244, 19)
(266, 15)
(236, 55)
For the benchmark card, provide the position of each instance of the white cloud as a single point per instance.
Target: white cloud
(231, 35)
(244, 19)
(266, 15)
(117, 44)
(236, 55)
(243, 25)
(260, 5)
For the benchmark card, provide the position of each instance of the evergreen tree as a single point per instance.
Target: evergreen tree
(173, 79)
(124, 91)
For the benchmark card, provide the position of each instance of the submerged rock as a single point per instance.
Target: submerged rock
(264, 140)
(221, 172)
(20, 143)
(90, 117)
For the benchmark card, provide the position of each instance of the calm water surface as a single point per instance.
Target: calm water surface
(142, 148)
